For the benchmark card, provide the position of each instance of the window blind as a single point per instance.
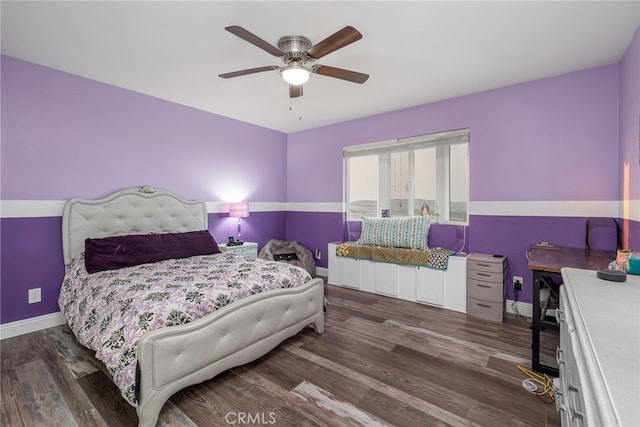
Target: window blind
(454, 137)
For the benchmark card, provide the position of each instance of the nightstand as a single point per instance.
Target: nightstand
(247, 250)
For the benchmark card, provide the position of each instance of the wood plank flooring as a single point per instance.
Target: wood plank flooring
(380, 362)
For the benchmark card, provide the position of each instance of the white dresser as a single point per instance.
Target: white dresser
(599, 353)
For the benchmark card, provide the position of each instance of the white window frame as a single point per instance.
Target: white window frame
(440, 141)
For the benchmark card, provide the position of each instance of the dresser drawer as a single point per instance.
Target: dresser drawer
(247, 250)
(486, 276)
(488, 291)
(484, 262)
(488, 310)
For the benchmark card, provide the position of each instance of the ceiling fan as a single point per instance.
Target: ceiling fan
(297, 52)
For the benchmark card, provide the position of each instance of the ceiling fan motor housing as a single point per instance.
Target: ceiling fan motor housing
(291, 44)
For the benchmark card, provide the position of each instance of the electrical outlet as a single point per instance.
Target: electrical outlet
(318, 253)
(517, 283)
(35, 295)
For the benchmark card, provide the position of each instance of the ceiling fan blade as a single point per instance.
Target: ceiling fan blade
(337, 40)
(340, 73)
(295, 91)
(254, 40)
(248, 71)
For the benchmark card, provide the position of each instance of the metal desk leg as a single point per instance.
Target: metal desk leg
(536, 325)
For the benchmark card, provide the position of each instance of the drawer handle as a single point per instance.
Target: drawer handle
(483, 265)
(482, 286)
(573, 411)
(559, 398)
(483, 274)
(483, 305)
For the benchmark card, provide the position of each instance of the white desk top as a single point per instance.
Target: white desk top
(610, 317)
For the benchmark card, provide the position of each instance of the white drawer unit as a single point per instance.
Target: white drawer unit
(429, 285)
(569, 398)
(599, 383)
(350, 273)
(247, 250)
(485, 286)
(386, 278)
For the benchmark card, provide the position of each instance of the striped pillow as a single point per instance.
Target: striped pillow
(409, 232)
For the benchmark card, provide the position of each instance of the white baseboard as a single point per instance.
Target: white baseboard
(322, 271)
(33, 324)
(524, 308)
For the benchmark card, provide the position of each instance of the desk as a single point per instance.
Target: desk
(547, 260)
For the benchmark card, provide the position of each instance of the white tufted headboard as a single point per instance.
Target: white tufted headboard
(130, 210)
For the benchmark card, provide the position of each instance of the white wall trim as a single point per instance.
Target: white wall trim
(335, 207)
(630, 210)
(31, 208)
(216, 207)
(33, 324)
(222, 207)
(606, 208)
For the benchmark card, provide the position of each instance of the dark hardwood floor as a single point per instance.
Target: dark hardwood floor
(381, 361)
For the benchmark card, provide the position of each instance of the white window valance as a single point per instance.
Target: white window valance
(454, 137)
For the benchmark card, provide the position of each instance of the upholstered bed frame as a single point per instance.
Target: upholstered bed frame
(173, 358)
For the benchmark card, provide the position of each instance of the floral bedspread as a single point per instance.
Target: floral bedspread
(110, 311)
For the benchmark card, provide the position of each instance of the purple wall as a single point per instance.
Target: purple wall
(554, 139)
(315, 229)
(530, 141)
(31, 251)
(630, 137)
(64, 136)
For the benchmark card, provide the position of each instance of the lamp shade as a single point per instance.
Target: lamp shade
(239, 210)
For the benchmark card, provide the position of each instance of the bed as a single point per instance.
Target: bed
(163, 358)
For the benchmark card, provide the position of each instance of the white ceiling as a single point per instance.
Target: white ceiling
(415, 52)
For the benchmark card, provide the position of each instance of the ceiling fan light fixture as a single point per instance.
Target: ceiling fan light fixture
(295, 74)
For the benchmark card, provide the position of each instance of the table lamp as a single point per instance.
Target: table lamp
(239, 210)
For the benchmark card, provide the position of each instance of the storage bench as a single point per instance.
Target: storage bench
(443, 288)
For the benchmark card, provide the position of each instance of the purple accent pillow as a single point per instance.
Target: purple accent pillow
(112, 253)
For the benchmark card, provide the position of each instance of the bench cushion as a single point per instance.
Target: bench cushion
(434, 258)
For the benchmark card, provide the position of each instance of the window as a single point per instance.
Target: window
(364, 186)
(408, 176)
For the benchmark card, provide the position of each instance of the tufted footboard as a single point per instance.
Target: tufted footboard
(173, 358)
